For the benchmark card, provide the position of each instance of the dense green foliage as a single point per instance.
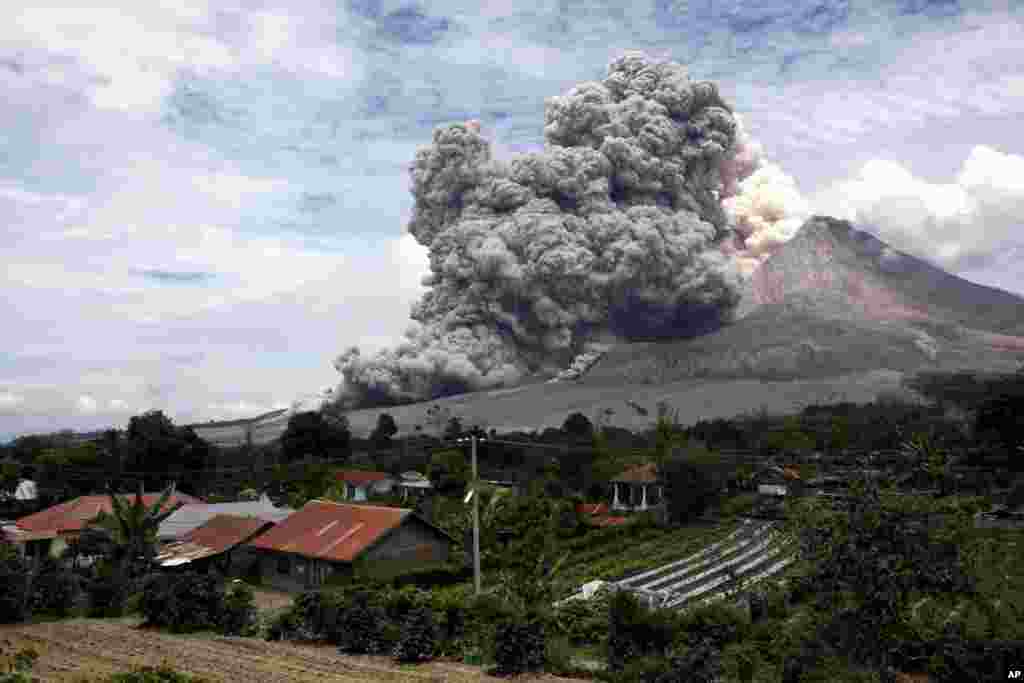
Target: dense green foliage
(15, 586)
(312, 434)
(519, 645)
(183, 602)
(419, 636)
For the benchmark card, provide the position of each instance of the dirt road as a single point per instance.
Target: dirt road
(93, 647)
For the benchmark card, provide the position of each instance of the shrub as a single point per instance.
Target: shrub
(18, 664)
(107, 595)
(361, 627)
(184, 602)
(289, 625)
(55, 589)
(14, 587)
(519, 645)
(239, 611)
(418, 637)
(634, 630)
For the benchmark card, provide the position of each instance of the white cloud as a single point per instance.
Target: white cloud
(232, 189)
(10, 401)
(961, 225)
(87, 405)
(117, 405)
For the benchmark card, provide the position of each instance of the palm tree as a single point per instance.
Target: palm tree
(132, 531)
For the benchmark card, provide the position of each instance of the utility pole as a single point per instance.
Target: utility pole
(476, 523)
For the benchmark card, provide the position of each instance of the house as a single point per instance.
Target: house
(49, 530)
(638, 488)
(188, 517)
(325, 538)
(413, 485)
(361, 485)
(210, 545)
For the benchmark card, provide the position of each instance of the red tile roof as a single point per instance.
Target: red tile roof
(331, 531)
(359, 477)
(72, 515)
(218, 534)
(641, 474)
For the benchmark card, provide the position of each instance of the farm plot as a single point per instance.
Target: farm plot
(94, 648)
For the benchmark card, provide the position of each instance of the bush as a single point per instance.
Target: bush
(55, 589)
(239, 613)
(184, 602)
(361, 627)
(107, 595)
(14, 587)
(418, 637)
(18, 664)
(634, 630)
(519, 645)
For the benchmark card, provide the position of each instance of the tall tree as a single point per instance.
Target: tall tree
(385, 429)
(310, 433)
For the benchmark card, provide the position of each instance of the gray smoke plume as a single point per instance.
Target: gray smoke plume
(615, 231)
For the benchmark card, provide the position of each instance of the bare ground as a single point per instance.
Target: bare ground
(94, 648)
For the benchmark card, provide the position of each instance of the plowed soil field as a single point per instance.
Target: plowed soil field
(93, 647)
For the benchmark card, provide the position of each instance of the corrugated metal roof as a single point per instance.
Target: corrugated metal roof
(642, 474)
(189, 517)
(331, 531)
(26, 490)
(72, 515)
(358, 477)
(592, 508)
(218, 534)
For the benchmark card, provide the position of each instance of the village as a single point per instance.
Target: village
(511, 552)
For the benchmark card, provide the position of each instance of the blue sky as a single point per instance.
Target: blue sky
(203, 203)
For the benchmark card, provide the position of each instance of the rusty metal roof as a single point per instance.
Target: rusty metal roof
(72, 515)
(331, 531)
(640, 474)
(358, 477)
(592, 508)
(220, 533)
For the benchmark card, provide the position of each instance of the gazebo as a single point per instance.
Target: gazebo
(638, 488)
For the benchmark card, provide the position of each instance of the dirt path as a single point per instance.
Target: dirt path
(93, 647)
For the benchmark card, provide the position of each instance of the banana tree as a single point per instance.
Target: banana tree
(132, 531)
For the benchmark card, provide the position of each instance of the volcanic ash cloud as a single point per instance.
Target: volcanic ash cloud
(616, 230)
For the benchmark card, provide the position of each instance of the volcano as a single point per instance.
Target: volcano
(834, 315)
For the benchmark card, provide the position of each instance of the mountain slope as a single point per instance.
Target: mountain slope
(834, 315)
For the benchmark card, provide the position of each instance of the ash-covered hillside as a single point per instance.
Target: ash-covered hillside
(832, 301)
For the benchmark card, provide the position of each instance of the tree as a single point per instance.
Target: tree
(132, 531)
(311, 434)
(449, 472)
(386, 428)
(689, 489)
(578, 427)
(862, 568)
(164, 452)
(453, 430)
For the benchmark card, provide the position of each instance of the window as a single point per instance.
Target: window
(284, 564)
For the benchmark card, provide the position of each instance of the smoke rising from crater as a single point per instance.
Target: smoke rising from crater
(638, 220)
